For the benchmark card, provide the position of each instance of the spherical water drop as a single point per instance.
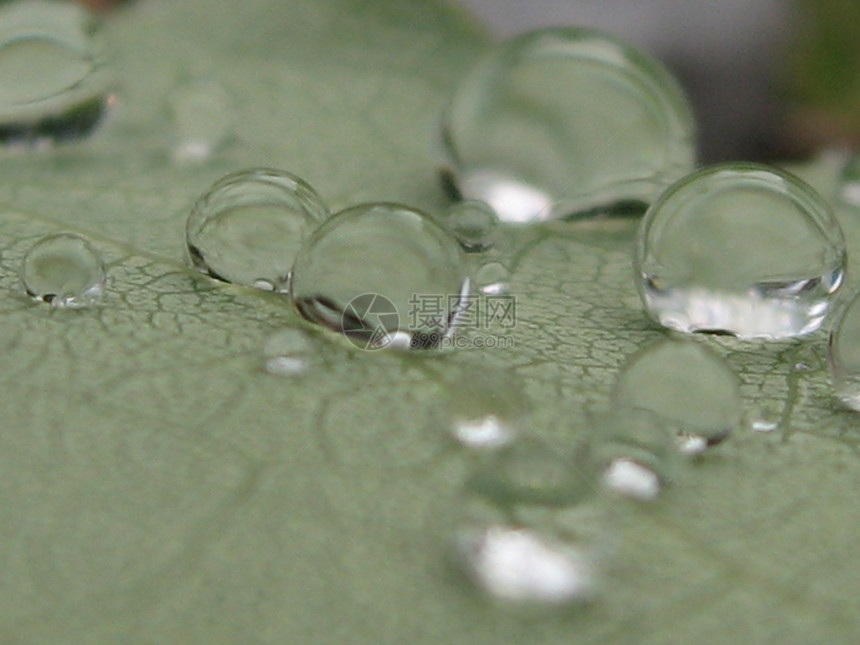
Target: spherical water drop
(473, 223)
(562, 121)
(202, 119)
(635, 450)
(52, 71)
(381, 274)
(63, 270)
(493, 279)
(844, 354)
(740, 248)
(289, 352)
(485, 408)
(531, 529)
(248, 228)
(691, 389)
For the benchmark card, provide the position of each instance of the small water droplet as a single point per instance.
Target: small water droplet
(473, 223)
(764, 425)
(63, 270)
(493, 279)
(635, 450)
(844, 354)
(849, 181)
(289, 352)
(249, 226)
(384, 275)
(740, 248)
(561, 121)
(688, 386)
(202, 115)
(53, 73)
(485, 408)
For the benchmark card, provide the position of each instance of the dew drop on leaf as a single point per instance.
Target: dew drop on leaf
(202, 116)
(63, 270)
(492, 279)
(383, 275)
(473, 223)
(562, 121)
(688, 386)
(740, 248)
(56, 85)
(248, 227)
(289, 352)
(844, 354)
(635, 451)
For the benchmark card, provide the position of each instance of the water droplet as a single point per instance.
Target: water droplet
(562, 121)
(849, 181)
(289, 352)
(485, 408)
(382, 274)
(740, 248)
(687, 385)
(63, 270)
(635, 450)
(52, 71)
(519, 565)
(248, 228)
(764, 425)
(202, 119)
(473, 223)
(844, 354)
(493, 279)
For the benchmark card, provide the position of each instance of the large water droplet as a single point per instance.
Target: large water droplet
(248, 228)
(52, 71)
(688, 386)
(63, 270)
(289, 352)
(384, 275)
(562, 121)
(486, 408)
(473, 223)
(202, 118)
(741, 248)
(635, 450)
(844, 354)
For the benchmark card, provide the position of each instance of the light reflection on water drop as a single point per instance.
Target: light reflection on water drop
(493, 279)
(289, 353)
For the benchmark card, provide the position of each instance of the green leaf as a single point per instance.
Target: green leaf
(159, 487)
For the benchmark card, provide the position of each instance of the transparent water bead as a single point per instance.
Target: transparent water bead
(741, 248)
(248, 227)
(530, 529)
(52, 70)
(844, 354)
(562, 121)
(493, 279)
(383, 275)
(635, 451)
(485, 408)
(289, 352)
(63, 270)
(202, 115)
(689, 387)
(473, 223)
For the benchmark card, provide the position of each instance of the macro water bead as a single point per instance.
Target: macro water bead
(53, 73)
(383, 275)
(63, 270)
(249, 226)
(563, 121)
(740, 248)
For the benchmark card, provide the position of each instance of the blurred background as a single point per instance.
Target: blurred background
(769, 79)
